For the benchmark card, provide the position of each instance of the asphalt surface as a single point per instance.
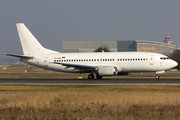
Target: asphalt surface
(91, 82)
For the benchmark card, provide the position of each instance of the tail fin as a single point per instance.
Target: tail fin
(29, 43)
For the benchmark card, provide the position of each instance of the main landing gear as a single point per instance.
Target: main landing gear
(91, 76)
(98, 77)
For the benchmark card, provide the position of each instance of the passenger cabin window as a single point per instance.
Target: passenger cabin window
(133, 59)
(122, 59)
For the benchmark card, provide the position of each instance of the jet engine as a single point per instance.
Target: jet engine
(107, 71)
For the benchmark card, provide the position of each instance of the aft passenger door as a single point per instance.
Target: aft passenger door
(46, 61)
(151, 60)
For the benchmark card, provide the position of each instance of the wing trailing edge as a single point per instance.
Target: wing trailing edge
(77, 66)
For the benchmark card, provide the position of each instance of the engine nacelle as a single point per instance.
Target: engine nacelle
(107, 71)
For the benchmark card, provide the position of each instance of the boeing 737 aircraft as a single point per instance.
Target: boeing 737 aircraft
(100, 64)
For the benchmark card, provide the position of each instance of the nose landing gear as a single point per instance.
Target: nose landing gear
(157, 77)
(159, 72)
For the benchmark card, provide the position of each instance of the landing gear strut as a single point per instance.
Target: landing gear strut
(90, 76)
(98, 77)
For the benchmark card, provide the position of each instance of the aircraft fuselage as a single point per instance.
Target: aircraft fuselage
(124, 61)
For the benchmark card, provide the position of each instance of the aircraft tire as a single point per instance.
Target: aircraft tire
(98, 77)
(90, 76)
(157, 77)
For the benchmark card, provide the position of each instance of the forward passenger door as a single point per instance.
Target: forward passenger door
(151, 60)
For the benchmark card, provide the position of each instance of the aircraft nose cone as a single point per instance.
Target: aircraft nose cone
(174, 63)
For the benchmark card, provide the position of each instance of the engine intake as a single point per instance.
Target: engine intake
(107, 71)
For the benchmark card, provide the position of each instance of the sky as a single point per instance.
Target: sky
(54, 21)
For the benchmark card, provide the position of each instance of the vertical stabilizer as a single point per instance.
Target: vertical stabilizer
(30, 44)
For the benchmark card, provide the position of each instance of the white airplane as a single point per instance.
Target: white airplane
(101, 64)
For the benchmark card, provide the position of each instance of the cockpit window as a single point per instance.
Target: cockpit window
(164, 58)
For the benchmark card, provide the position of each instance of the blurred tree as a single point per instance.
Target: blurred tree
(104, 48)
(176, 56)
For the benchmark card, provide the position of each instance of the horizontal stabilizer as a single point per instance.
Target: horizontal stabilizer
(20, 56)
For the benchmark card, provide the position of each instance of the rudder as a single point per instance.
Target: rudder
(29, 43)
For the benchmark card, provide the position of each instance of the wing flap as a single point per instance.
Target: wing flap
(77, 66)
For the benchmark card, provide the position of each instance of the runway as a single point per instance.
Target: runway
(92, 82)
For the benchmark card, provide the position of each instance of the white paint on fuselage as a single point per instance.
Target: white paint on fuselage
(112, 62)
(147, 65)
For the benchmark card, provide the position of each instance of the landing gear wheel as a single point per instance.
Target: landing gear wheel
(98, 77)
(90, 76)
(157, 77)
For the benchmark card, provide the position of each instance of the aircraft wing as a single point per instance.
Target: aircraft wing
(20, 56)
(77, 66)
